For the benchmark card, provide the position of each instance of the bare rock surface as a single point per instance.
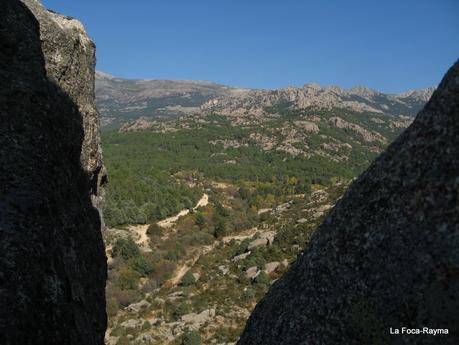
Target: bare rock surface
(52, 259)
(387, 254)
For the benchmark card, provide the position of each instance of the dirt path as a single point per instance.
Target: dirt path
(140, 231)
(241, 236)
(181, 270)
(170, 221)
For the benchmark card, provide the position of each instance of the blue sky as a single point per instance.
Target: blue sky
(390, 45)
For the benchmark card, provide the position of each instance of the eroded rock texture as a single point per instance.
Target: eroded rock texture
(70, 62)
(52, 260)
(387, 255)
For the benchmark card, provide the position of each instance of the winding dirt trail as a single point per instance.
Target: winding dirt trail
(140, 231)
(181, 270)
(170, 221)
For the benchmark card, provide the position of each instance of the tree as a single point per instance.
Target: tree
(220, 228)
(112, 306)
(128, 279)
(262, 278)
(244, 193)
(188, 279)
(248, 295)
(182, 309)
(126, 248)
(191, 338)
(141, 265)
(200, 219)
(146, 325)
(155, 230)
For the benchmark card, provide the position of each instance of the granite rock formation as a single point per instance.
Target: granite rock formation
(52, 259)
(357, 99)
(70, 62)
(387, 254)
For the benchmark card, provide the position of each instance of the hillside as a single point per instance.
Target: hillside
(205, 211)
(120, 100)
(385, 257)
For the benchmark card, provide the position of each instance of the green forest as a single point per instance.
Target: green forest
(154, 174)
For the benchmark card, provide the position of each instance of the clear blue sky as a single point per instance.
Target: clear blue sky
(390, 45)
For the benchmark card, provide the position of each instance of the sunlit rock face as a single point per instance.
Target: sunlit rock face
(52, 260)
(387, 255)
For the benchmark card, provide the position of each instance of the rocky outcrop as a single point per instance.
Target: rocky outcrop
(52, 261)
(358, 99)
(70, 63)
(364, 133)
(387, 253)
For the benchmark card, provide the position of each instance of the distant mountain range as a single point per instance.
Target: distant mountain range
(123, 100)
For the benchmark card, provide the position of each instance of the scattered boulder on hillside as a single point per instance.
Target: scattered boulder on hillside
(251, 272)
(260, 242)
(270, 267)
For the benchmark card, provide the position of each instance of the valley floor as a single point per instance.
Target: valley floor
(213, 285)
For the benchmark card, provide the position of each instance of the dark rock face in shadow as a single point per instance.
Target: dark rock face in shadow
(70, 62)
(387, 255)
(52, 260)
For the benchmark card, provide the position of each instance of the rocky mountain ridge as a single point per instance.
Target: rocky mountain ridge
(122, 100)
(360, 99)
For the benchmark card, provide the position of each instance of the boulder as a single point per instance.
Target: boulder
(251, 272)
(199, 319)
(241, 256)
(136, 307)
(260, 242)
(271, 266)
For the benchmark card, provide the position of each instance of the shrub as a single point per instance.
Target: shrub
(220, 229)
(128, 279)
(150, 285)
(155, 230)
(146, 325)
(172, 255)
(123, 297)
(247, 296)
(112, 306)
(123, 340)
(162, 271)
(181, 310)
(191, 338)
(126, 248)
(141, 265)
(262, 278)
(244, 193)
(188, 279)
(200, 219)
